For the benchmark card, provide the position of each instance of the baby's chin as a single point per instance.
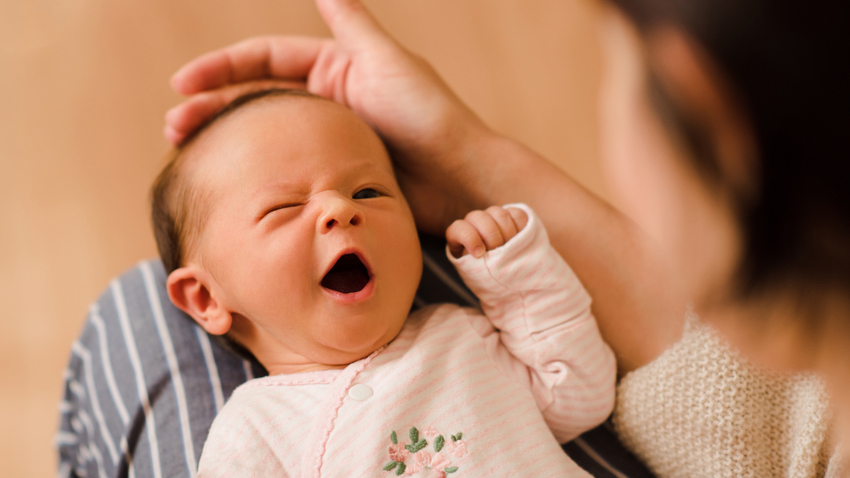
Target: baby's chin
(348, 346)
(319, 358)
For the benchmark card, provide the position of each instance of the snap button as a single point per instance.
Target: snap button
(360, 392)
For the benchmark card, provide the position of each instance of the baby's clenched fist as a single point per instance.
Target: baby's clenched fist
(482, 231)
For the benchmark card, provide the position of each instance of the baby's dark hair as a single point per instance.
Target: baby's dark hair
(174, 213)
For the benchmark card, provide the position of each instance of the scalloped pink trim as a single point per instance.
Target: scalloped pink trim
(282, 382)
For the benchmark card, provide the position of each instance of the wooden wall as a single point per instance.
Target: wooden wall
(83, 89)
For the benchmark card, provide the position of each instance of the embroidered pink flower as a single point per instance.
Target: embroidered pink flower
(412, 469)
(429, 431)
(439, 462)
(423, 459)
(439, 473)
(457, 448)
(398, 452)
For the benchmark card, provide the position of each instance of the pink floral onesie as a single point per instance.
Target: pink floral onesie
(457, 393)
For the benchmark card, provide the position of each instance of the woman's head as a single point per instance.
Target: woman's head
(729, 148)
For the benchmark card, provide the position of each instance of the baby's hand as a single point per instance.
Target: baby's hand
(482, 231)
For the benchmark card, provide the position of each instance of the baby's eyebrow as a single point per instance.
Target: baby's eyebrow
(276, 188)
(372, 169)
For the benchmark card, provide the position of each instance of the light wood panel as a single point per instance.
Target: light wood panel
(83, 88)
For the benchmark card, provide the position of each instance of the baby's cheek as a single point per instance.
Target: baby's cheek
(406, 260)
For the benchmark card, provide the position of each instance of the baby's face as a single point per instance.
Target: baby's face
(308, 236)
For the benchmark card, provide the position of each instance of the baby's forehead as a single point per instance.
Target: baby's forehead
(301, 127)
(298, 117)
(248, 109)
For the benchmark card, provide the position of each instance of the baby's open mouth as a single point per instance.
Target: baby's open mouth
(347, 276)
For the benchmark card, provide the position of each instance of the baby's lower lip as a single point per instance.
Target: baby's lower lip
(353, 297)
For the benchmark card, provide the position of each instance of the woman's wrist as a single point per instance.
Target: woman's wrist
(446, 176)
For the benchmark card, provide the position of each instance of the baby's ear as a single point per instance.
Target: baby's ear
(190, 290)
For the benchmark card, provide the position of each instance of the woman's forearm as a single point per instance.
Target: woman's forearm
(635, 302)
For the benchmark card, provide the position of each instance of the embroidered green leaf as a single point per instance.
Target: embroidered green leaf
(420, 445)
(438, 443)
(454, 438)
(459, 435)
(414, 447)
(450, 469)
(400, 469)
(414, 435)
(394, 438)
(389, 466)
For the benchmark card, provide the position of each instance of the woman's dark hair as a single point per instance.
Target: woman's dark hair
(788, 63)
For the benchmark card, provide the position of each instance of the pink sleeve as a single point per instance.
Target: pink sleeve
(549, 340)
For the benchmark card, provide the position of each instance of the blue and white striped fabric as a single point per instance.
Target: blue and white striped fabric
(144, 383)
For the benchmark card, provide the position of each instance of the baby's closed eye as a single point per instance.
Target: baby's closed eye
(279, 207)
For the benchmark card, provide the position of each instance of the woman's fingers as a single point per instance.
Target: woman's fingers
(351, 23)
(324, 62)
(286, 57)
(282, 57)
(184, 118)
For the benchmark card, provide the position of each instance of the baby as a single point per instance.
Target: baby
(281, 225)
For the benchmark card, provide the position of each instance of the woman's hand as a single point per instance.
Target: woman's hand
(482, 231)
(425, 126)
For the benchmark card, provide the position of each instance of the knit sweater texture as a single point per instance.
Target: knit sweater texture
(702, 410)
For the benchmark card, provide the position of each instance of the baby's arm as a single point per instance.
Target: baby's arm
(550, 340)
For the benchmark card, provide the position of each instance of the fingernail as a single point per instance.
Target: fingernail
(172, 135)
(478, 252)
(176, 81)
(169, 114)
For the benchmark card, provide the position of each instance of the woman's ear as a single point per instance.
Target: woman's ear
(190, 290)
(703, 93)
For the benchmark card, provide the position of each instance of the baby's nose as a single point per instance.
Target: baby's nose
(339, 211)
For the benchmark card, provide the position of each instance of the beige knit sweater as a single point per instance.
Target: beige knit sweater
(701, 410)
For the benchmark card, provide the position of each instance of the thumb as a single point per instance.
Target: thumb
(351, 24)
